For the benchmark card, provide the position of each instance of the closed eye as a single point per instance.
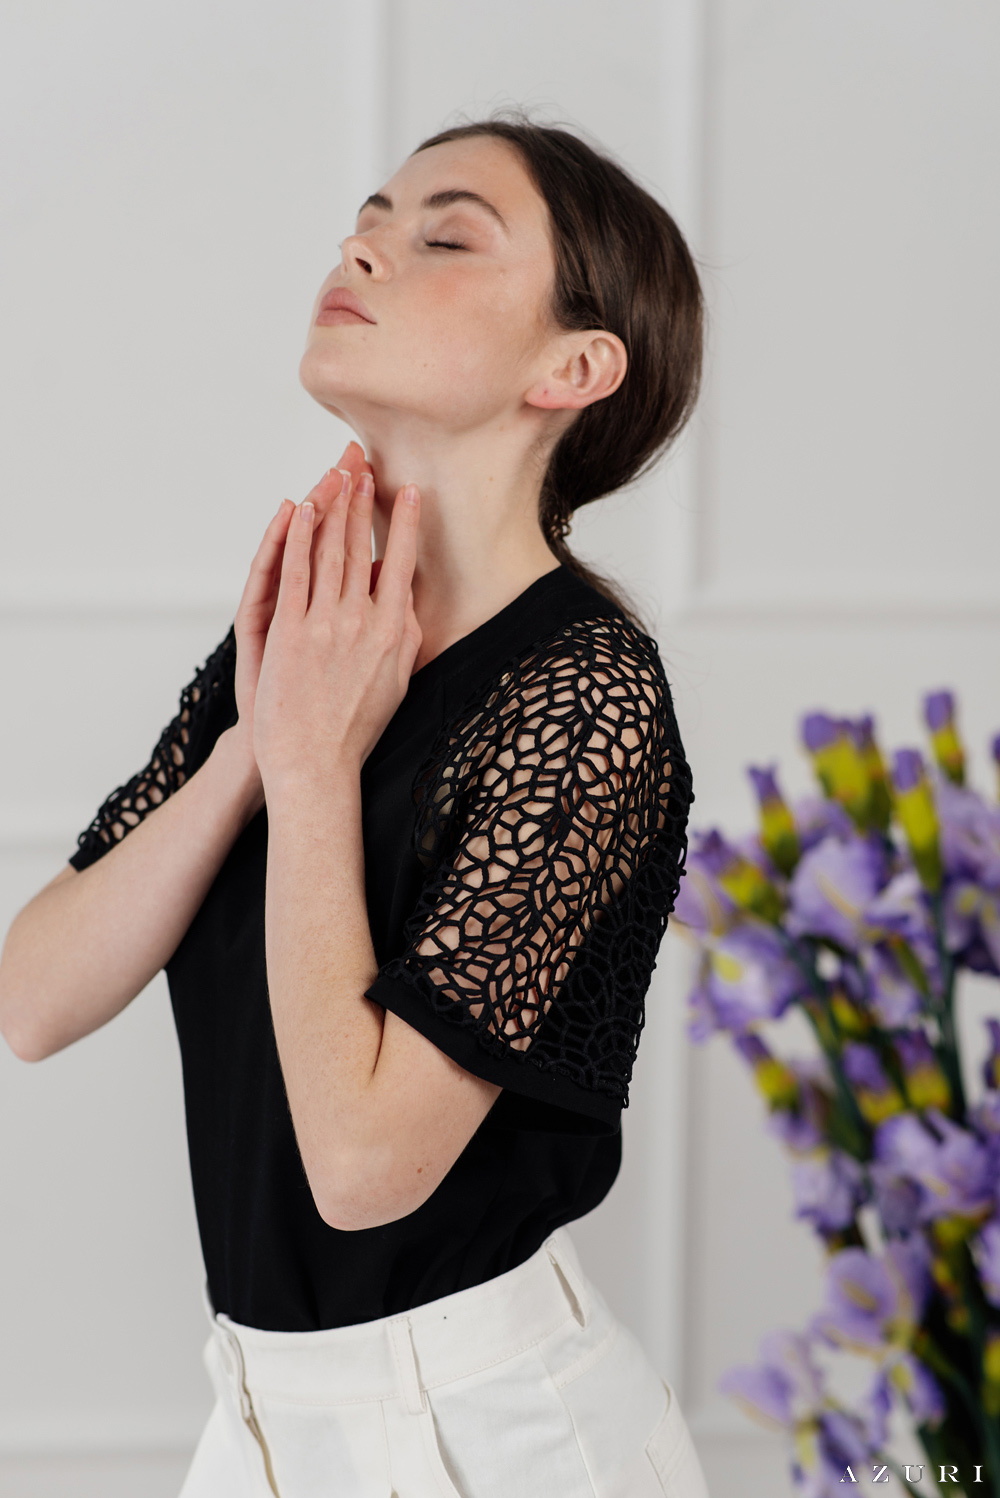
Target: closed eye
(444, 244)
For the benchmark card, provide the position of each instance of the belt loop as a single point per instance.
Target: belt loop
(405, 1358)
(238, 1376)
(237, 1367)
(574, 1286)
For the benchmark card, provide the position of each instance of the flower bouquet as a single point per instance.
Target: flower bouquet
(859, 908)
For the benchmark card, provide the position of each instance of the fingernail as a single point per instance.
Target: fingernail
(345, 475)
(365, 486)
(411, 494)
(307, 510)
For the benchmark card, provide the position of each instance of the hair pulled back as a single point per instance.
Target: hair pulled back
(621, 264)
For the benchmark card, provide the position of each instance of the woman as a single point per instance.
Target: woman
(407, 852)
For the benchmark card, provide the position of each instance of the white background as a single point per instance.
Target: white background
(176, 179)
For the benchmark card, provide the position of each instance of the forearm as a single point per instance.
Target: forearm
(320, 961)
(86, 945)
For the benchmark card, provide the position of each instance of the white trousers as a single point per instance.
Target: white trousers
(523, 1387)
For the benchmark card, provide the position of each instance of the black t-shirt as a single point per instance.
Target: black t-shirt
(524, 814)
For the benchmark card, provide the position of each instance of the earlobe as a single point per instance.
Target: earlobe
(589, 370)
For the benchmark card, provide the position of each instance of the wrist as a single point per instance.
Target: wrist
(308, 782)
(233, 754)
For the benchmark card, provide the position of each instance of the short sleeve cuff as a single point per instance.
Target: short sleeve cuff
(92, 850)
(535, 1099)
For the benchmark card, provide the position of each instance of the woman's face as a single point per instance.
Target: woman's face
(447, 284)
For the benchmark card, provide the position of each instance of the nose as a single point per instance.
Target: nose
(360, 252)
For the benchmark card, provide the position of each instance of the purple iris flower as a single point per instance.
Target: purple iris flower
(907, 769)
(841, 1442)
(898, 1200)
(702, 904)
(919, 1389)
(986, 1118)
(888, 991)
(863, 1068)
(765, 782)
(819, 731)
(828, 1190)
(831, 888)
(803, 1128)
(783, 1387)
(909, 1261)
(871, 1302)
(901, 909)
(713, 852)
(952, 1168)
(939, 710)
(972, 926)
(747, 976)
(991, 1066)
(970, 834)
(986, 1248)
(875, 1408)
(914, 1050)
(995, 748)
(817, 818)
(861, 1296)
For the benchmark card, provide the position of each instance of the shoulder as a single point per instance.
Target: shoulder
(597, 679)
(584, 710)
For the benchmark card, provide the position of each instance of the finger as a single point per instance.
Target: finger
(353, 458)
(358, 541)
(325, 494)
(400, 552)
(328, 558)
(293, 588)
(262, 579)
(412, 640)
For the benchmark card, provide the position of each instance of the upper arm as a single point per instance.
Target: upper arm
(554, 828)
(428, 1108)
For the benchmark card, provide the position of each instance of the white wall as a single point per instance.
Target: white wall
(827, 536)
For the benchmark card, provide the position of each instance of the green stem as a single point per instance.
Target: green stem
(854, 1120)
(929, 1352)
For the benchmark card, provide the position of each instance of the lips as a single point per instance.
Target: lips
(342, 306)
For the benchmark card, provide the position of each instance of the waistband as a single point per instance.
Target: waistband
(430, 1345)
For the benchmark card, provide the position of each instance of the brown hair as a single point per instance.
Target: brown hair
(621, 264)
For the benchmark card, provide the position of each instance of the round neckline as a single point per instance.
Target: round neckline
(453, 653)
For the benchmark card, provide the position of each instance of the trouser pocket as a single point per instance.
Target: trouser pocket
(671, 1452)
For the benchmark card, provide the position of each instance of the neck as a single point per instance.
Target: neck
(480, 544)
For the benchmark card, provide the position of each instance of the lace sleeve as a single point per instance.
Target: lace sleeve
(184, 744)
(552, 819)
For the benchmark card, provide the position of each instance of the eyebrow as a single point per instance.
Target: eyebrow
(441, 200)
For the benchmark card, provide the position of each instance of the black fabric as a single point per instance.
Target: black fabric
(523, 821)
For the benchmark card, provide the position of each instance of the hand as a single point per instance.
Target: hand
(256, 610)
(338, 657)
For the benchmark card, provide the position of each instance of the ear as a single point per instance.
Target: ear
(586, 368)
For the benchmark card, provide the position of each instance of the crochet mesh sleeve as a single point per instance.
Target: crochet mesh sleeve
(551, 816)
(183, 745)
